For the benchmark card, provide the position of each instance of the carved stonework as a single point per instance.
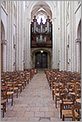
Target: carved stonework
(14, 46)
(4, 42)
(4, 4)
(78, 41)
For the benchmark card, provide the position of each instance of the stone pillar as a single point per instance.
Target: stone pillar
(66, 47)
(54, 38)
(20, 36)
(71, 52)
(78, 55)
(4, 55)
(62, 35)
(28, 45)
(17, 39)
(10, 38)
(23, 35)
(53, 45)
(60, 66)
(0, 48)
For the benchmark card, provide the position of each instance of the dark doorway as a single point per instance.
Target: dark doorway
(41, 60)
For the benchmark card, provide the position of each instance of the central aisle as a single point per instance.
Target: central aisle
(35, 103)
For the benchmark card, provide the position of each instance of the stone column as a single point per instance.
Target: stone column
(4, 55)
(71, 53)
(0, 50)
(17, 38)
(62, 35)
(10, 38)
(66, 47)
(27, 44)
(55, 39)
(78, 60)
(53, 44)
(0, 47)
(20, 36)
(23, 35)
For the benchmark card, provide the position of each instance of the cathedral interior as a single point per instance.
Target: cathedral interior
(40, 61)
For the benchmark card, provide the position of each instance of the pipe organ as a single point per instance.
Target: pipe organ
(41, 34)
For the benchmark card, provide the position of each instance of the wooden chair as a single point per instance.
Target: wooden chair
(67, 101)
(15, 88)
(10, 91)
(2, 109)
(27, 77)
(78, 90)
(19, 84)
(3, 99)
(59, 90)
(76, 111)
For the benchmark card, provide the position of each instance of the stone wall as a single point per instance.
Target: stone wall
(66, 18)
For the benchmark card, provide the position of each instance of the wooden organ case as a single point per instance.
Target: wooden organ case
(41, 34)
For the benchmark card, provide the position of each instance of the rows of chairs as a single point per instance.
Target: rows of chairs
(66, 92)
(12, 84)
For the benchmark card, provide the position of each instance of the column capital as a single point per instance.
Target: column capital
(4, 42)
(78, 40)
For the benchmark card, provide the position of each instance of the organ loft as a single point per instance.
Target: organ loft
(41, 34)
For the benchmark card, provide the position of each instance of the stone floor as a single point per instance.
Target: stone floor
(34, 104)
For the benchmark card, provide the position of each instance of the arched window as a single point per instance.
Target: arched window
(4, 4)
(41, 16)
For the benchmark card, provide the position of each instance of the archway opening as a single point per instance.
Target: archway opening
(79, 47)
(41, 9)
(44, 55)
(41, 35)
(41, 59)
(2, 44)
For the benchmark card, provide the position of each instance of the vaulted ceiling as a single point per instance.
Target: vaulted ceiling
(41, 8)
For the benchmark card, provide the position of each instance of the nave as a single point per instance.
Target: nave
(48, 96)
(34, 104)
(40, 35)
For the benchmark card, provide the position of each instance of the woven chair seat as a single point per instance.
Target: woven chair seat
(67, 113)
(10, 93)
(19, 84)
(15, 88)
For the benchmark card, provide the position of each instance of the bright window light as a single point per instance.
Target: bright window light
(39, 19)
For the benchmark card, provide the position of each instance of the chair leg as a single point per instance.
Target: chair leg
(73, 119)
(63, 118)
(53, 94)
(17, 93)
(20, 87)
(3, 113)
(55, 102)
(60, 110)
(25, 82)
(12, 100)
(4, 107)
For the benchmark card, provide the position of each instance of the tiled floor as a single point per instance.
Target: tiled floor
(34, 104)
